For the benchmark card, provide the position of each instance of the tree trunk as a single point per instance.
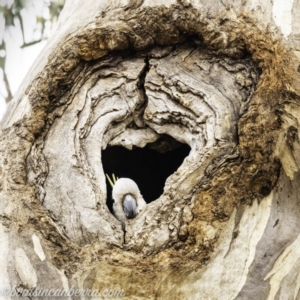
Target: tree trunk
(206, 98)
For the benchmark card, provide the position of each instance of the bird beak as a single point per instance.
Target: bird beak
(129, 206)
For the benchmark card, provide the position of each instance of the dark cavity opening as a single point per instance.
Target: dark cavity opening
(149, 167)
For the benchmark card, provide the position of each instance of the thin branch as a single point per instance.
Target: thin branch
(7, 86)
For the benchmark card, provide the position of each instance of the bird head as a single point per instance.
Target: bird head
(128, 201)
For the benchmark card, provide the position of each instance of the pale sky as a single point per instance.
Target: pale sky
(19, 60)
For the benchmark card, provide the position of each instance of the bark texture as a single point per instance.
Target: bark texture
(221, 78)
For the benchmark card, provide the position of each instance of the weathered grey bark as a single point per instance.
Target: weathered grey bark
(219, 77)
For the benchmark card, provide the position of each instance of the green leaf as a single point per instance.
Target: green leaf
(55, 9)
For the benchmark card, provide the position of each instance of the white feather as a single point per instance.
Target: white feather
(122, 187)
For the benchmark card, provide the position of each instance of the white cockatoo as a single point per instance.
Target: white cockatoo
(128, 201)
